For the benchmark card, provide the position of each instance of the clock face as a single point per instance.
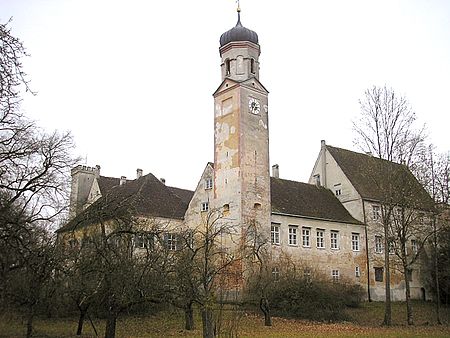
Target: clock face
(254, 106)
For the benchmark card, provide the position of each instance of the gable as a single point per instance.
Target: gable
(226, 84)
(376, 179)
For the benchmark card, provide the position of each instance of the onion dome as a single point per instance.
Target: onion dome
(238, 33)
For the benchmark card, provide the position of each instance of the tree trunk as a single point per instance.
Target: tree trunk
(81, 320)
(189, 317)
(387, 306)
(208, 323)
(30, 317)
(409, 313)
(265, 308)
(111, 320)
(436, 274)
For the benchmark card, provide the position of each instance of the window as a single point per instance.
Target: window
(334, 236)
(307, 274)
(226, 208)
(357, 271)
(376, 213)
(306, 232)
(252, 66)
(320, 238)
(414, 246)
(338, 189)
(409, 274)
(292, 235)
(391, 248)
(378, 244)
(171, 241)
(227, 66)
(355, 242)
(316, 178)
(208, 183)
(335, 275)
(205, 206)
(378, 274)
(275, 234)
(142, 240)
(276, 273)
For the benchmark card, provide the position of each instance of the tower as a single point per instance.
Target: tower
(241, 134)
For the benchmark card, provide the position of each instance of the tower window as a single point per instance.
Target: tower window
(227, 66)
(252, 66)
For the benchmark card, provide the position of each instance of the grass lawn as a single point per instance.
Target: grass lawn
(364, 322)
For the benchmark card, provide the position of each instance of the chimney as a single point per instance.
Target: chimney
(163, 181)
(123, 180)
(276, 171)
(323, 144)
(138, 173)
(369, 153)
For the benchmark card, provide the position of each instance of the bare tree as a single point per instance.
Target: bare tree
(386, 128)
(210, 268)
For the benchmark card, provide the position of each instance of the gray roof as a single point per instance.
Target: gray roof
(307, 200)
(238, 33)
(381, 180)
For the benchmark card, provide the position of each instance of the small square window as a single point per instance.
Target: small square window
(205, 206)
(338, 189)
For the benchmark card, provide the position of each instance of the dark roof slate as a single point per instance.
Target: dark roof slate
(307, 200)
(184, 194)
(146, 196)
(376, 179)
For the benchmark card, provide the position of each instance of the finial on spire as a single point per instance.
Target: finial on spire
(239, 12)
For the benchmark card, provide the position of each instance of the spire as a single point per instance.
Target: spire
(239, 13)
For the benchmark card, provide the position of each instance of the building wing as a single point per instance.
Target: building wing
(376, 179)
(307, 200)
(146, 196)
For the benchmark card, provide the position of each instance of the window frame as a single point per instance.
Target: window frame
(356, 241)
(275, 234)
(320, 239)
(204, 207)
(357, 271)
(293, 235)
(376, 213)
(306, 237)
(378, 274)
(208, 183)
(335, 275)
(378, 244)
(336, 240)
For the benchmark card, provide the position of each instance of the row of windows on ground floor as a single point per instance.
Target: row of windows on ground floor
(307, 237)
(335, 274)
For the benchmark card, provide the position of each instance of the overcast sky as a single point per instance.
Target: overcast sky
(133, 80)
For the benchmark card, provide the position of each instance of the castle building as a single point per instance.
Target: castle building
(325, 224)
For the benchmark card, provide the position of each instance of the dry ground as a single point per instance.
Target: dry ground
(364, 322)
